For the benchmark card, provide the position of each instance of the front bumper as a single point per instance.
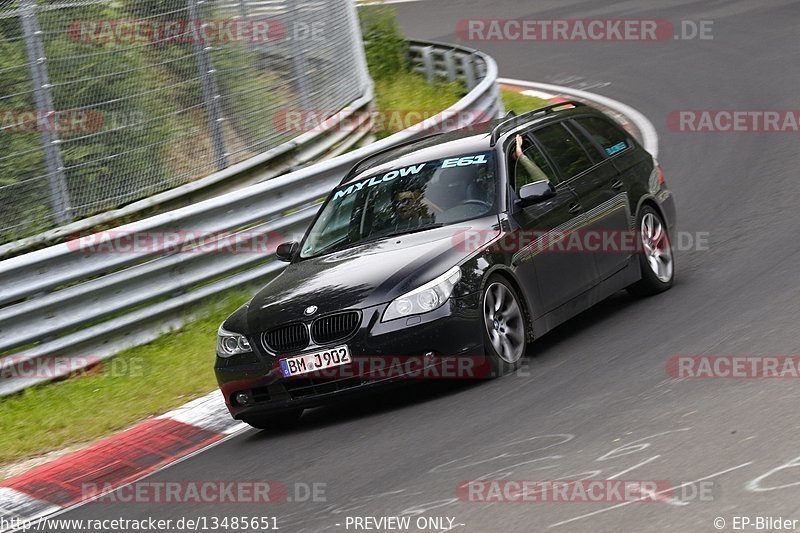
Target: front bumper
(453, 330)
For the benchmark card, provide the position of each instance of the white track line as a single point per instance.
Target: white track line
(671, 489)
(649, 135)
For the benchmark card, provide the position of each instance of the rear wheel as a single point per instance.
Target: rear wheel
(655, 256)
(275, 421)
(504, 326)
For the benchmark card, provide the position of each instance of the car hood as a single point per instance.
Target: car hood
(368, 274)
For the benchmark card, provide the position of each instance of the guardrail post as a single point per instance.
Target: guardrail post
(427, 63)
(211, 96)
(450, 65)
(43, 99)
(469, 72)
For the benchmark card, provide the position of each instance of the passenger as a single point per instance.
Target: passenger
(534, 172)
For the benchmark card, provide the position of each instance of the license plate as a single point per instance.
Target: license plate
(311, 362)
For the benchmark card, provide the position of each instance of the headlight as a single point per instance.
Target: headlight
(426, 298)
(229, 343)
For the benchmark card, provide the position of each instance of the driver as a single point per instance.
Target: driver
(409, 208)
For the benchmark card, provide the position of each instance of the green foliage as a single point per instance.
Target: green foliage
(520, 103)
(114, 83)
(385, 47)
(21, 154)
(407, 92)
(249, 95)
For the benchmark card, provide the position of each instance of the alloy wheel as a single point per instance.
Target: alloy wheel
(504, 322)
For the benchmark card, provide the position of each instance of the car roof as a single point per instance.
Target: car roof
(437, 146)
(475, 138)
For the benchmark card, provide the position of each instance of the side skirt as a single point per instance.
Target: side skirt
(629, 274)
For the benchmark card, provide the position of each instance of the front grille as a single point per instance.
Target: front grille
(260, 394)
(288, 338)
(336, 327)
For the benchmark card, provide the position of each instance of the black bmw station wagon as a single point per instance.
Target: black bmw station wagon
(465, 244)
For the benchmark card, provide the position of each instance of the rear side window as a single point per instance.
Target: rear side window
(611, 138)
(567, 154)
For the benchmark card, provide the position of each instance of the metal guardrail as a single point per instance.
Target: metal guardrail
(65, 307)
(451, 64)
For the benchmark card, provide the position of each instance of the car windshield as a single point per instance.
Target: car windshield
(404, 200)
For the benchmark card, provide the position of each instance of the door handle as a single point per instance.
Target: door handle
(574, 208)
(617, 184)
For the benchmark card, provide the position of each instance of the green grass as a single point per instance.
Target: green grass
(401, 98)
(136, 384)
(410, 93)
(520, 103)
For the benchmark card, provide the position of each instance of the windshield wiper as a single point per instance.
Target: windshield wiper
(338, 247)
(406, 231)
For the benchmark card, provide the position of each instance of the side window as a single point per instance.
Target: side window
(611, 138)
(338, 224)
(568, 155)
(529, 166)
(588, 146)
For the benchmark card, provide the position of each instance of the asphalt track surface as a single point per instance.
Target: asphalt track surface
(596, 400)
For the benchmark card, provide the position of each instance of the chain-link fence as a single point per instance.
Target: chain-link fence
(104, 102)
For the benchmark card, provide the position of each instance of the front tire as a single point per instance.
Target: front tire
(504, 326)
(280, 420)
(655, 256)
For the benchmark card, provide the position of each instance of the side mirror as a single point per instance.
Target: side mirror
(286, 250)
(536, 192)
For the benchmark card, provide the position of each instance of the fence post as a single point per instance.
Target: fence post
(43, 99)
(299, 63)
(211, 96)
